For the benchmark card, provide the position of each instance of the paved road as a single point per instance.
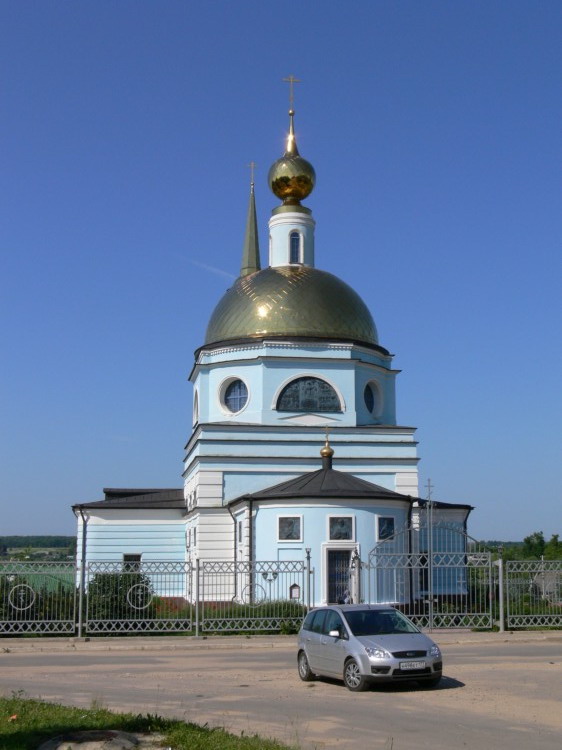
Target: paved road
(498, 694)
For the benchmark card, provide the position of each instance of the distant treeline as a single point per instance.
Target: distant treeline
(12, 542)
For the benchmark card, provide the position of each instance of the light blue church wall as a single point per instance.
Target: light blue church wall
(315, 532)
(161, 537)
(348, 371)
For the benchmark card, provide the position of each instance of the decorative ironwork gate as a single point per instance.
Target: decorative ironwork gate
(37, 598)
(533, 593)
(250, 596)
(436, 574)
(130, 598)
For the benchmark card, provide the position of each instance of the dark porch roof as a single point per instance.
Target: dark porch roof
(326, 483)
(137, 498)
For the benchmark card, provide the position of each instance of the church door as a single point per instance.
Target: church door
(338, 576)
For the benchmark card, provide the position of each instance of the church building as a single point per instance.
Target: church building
(294, 448)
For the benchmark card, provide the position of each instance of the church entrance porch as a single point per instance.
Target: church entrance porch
(338, 576)
(339, 581)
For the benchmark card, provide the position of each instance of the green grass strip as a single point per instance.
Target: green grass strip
(26, 723)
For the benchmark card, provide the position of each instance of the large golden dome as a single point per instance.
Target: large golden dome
(291, 301)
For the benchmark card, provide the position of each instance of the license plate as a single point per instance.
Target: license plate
(412, 664)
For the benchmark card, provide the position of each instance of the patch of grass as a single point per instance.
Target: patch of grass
(26, 723)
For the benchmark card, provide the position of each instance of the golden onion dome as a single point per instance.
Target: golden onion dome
(291, 177)
(291, 301)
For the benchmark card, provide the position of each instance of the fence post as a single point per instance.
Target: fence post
(307, 550)
(197, 597)
(81, 584)
(500, 594)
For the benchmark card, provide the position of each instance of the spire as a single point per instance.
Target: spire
(291, 148)
(251, 249)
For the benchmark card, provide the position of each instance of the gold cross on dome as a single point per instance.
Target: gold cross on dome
(291, 80)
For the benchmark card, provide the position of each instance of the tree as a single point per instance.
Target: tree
(533, 545)
(553, 549)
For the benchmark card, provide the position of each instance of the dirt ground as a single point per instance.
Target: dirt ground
(498, 691)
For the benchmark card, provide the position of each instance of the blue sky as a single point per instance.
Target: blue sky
(125, 133)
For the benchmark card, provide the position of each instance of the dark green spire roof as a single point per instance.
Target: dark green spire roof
(251, 250)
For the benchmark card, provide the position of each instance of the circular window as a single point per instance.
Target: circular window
(235, 396)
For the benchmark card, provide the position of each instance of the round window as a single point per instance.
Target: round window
(235, 396)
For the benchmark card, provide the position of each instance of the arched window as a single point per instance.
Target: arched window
(235, 396)
(196, 408)
(308, 394)
(294, 247)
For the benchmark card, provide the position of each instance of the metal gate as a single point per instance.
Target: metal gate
(533, 593)
(37, 598)
(250, 596)
(436, 574)
(130, 598)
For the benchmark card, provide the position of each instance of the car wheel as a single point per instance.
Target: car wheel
(353, 678)
(433, 682)
(304, 667)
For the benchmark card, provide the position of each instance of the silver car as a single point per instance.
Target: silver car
(366, 643)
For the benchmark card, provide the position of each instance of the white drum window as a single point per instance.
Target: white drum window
(294, 248)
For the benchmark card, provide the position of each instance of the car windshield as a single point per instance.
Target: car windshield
(378, 622)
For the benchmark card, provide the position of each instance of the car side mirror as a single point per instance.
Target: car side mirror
(338, 634)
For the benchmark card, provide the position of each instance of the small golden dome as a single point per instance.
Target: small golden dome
(327, 451)
(291, 177)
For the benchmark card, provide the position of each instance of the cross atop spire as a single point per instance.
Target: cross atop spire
(252, 166)
(291, 80)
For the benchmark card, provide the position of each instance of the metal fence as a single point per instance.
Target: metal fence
(130, 598)
(455, 589)
(533, 593)
(250, 596)
(37, 598)
(438, 576)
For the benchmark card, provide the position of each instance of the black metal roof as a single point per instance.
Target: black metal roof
(137, 498)
(327, 483)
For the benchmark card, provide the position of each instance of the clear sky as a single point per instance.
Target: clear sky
(126, 129)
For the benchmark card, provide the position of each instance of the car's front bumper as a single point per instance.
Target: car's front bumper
(383, 670)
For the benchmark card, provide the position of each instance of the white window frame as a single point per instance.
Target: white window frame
(299, 262)
(222, 393)
(136, 563)
(301, 525)
(340, 541)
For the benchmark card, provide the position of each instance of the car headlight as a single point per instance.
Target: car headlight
(434, 651)
(377, 653)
